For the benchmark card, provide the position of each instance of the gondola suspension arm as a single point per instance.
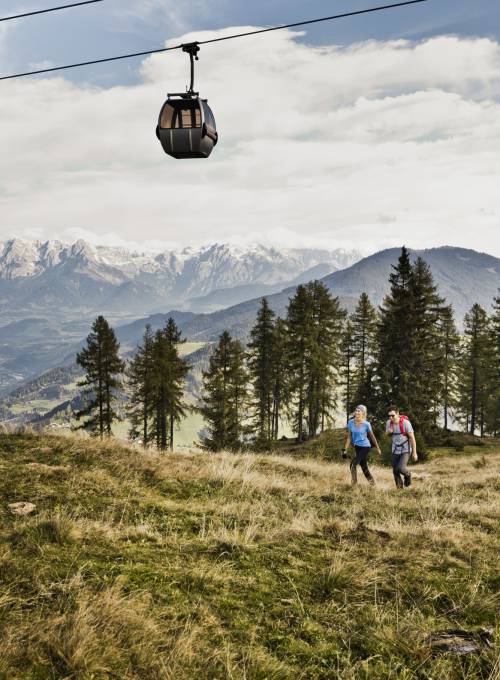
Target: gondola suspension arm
(192, 49)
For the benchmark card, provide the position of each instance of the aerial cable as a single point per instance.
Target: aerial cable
(213, 40)
(49, 9)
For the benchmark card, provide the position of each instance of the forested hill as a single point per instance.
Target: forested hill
(462, 276)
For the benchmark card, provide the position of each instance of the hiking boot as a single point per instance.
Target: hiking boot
(408, 480)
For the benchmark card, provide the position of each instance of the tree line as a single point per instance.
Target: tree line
(304, 369)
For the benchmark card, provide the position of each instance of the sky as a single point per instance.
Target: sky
(366, 132)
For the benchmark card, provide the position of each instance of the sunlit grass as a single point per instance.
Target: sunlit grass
(240, 566)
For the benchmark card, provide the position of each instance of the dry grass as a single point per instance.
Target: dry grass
(194, 565)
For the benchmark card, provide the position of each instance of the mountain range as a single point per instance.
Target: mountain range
(33, 344)
(69, 280)
(462, 276)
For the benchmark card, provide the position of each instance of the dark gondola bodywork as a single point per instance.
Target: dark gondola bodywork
(186, 127)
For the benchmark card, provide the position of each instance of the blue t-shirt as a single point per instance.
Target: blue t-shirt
(359, 433)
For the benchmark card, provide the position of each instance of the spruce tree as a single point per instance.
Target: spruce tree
(103, 366)
(426, 361)
(394, 339)
(169, 374)
(448, 347)
(493, 405)
(323, 371)
(474, 369)
(141, 377)
(314, 330)
(347, 368)
(260, 358)
(368, 394)
(279, 374)
(364, 337)
(410, 368)
(225, 396)
(299, 325)
(178, 370)
(238, 393)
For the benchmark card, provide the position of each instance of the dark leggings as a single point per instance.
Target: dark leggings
(400, 469)
(360, 458)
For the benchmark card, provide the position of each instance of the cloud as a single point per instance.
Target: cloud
(174, 15)
(365, 146)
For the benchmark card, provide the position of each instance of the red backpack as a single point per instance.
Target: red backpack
(402, 420)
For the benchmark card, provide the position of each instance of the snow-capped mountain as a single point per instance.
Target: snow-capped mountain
(42, 275)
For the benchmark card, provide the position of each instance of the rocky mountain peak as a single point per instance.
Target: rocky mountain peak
(83, 251)
(18, 258)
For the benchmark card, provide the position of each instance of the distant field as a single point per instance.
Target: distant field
(190, 347)
(197, 566)
(40, 405)
(185, 435)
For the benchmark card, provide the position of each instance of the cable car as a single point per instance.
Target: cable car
(186, 125)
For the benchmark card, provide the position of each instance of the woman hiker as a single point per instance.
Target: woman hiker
(402, 435)
(360, 433)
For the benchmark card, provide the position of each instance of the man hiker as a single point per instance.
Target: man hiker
(360, 432)
(403, 444)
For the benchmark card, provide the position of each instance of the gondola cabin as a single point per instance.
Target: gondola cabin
(186, 126)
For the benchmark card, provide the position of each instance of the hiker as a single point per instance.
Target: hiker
(403, 443)
(360, 433)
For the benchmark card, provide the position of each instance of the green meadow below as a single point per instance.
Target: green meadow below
(199, 566)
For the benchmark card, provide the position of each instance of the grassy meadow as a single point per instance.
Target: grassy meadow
(199, 566)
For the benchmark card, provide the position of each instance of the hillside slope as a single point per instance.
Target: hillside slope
(202, 566)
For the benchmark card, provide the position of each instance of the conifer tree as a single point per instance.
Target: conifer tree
(225, 396)
(328, 320)
(493, 405)
(103, 366)
(426, 361)
(169, 375)
(279, 374)
(364, 335)
(347, 367)
(448, 347)
(314, 330)
(410, 366)
(260, 358)
(395, 339)
(368, 393)
(299, 324)
(179, 368)
(141, 378)
(462, 401)
(473, 369)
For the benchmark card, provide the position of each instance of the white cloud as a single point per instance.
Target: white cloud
(365, 146)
